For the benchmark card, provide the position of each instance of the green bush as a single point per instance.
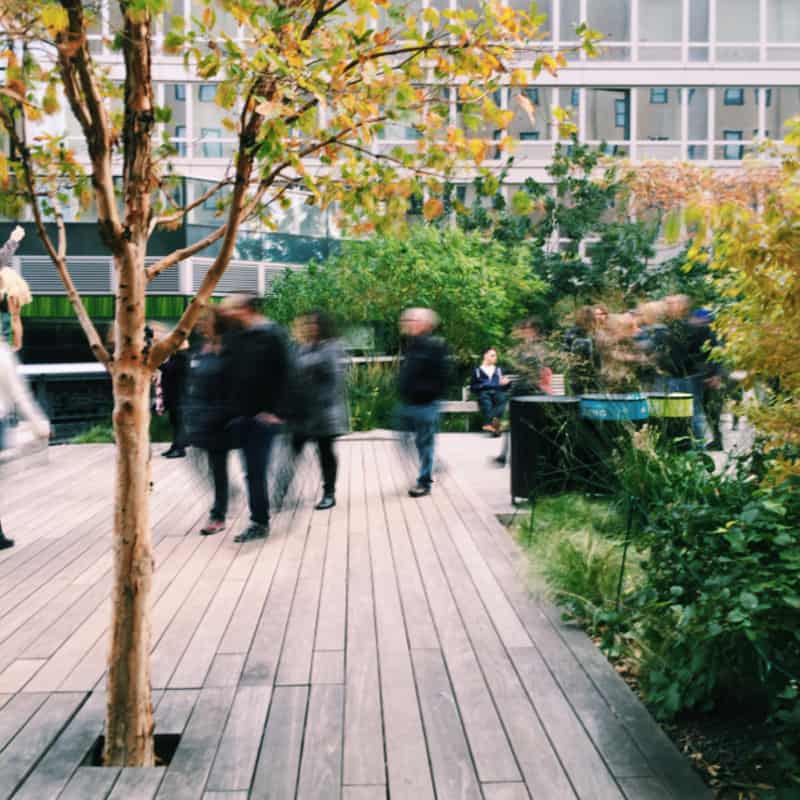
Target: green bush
(479, 288)
(97, 434)
(372, 395)
(718, 610)
(103, 433)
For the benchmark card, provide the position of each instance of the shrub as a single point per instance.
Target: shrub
(372, 395)
(718, 610)
(479, 288)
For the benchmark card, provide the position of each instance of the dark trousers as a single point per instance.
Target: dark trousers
(255, 440)
(175, 414)
(327, 458)
(492, 404)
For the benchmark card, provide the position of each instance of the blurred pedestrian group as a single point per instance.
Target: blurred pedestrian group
(245, 384)
(661, 346)
(246, 381)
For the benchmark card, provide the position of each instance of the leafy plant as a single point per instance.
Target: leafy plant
(372, 395)
(479, 289)
(98, 434)
(719, 607)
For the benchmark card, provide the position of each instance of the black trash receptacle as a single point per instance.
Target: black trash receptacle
(543, 430)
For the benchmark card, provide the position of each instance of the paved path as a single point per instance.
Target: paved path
(386, 649)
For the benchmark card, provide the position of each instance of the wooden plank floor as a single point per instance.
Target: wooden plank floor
(386, 649)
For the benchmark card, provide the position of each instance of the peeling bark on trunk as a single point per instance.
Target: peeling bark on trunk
(129, 721)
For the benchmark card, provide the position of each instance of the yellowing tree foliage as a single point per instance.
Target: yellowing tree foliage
(746, 225)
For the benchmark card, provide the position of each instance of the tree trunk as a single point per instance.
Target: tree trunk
(129, 720)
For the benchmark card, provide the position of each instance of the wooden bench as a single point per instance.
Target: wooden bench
(462, 406)
(467, 406)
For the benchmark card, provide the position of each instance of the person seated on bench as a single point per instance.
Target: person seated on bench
(489, 385)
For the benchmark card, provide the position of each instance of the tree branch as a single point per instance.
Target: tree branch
(57, 253)
(182, 212)
(86, 101)
(320, 12)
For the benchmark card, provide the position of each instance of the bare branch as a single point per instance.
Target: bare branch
(182, 212)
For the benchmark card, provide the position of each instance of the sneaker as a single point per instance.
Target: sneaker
(488, 428)
(420, 490)
(5, 542)
(328, 501)
(212, 526)
(179, 453)
(254, 531)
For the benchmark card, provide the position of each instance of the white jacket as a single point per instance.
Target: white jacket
(14, 393)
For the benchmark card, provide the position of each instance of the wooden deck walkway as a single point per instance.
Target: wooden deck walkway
(386, 649)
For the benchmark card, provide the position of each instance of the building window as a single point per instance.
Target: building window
(211, 149)
(575, 98)
(692, 93)
(180, 92)
(180, 133)
(768, 96)
(533, 95)
(497, 97)
(734, 97)
(529, 136)
(659, 97)
(620, 113)
(206, 92)
(733, 152)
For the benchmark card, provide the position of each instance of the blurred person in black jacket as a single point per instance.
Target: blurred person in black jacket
(682, 357)
(174, 376)
(255, 371)
(422, 383)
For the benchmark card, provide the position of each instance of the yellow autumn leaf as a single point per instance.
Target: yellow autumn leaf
(54, 18)
(50, 100)
(520, 77)
(431, 16)
(433, 208)
(477, 148)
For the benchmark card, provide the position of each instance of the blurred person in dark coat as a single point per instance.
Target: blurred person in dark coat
(319, 391)
(422, 383)
(174, 377)
(255, 369)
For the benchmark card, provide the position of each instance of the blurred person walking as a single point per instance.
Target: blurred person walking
(174, 377)
(255, 372)
(422, 382)
(682, 358)
(206, 412)
(582, 344)
(14, 292)
(15, 398)
(319, 391)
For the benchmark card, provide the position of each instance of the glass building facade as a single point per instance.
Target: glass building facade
(701, 80)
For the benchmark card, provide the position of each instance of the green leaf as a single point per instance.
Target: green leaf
(748, 601)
